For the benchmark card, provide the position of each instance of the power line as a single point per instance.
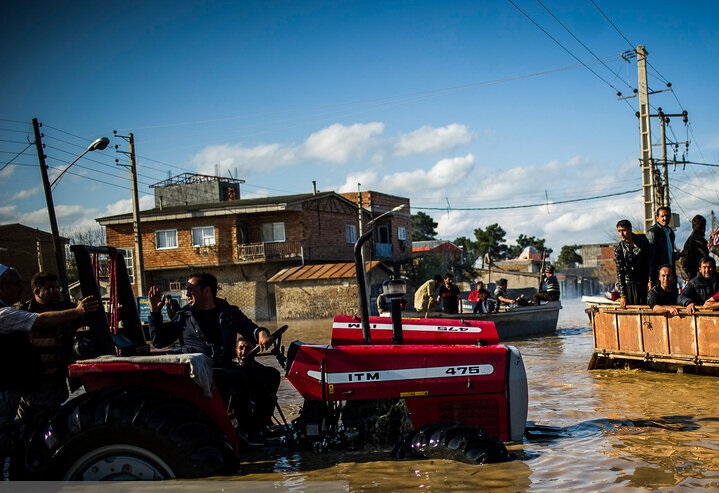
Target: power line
(581, 43)
(563, 47)
(541, 204)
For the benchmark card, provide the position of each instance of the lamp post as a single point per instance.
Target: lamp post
(97, 145)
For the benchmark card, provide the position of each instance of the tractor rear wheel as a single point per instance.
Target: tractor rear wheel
(126, 434)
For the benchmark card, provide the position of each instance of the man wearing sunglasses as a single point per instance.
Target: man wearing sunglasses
(207, 324)
(211, 326)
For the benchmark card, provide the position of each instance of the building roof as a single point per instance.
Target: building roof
(529, 253)
(436, 245)
(343, 270)
(243, 206)
(8, 228)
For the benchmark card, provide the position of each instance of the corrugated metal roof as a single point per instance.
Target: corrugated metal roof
(344, 270)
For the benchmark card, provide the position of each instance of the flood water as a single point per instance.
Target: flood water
(606, 430)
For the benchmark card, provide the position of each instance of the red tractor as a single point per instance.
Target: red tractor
(425, 387)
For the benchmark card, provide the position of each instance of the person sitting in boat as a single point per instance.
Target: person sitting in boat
(632, 257)
(384, 305)
(449, 297)
(550, 285)
(481, 297)
(662, 298)
(500, 294)
(702, 287)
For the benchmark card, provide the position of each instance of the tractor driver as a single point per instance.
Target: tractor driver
(207, 325)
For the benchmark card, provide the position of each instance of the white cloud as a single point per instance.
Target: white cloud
(367, 180)
(9, 214)
(27, 193)
(428, 140)
(445, 173)
(246, 160)
(340, 143)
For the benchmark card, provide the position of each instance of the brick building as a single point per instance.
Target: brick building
(200, 223)
(28, 250)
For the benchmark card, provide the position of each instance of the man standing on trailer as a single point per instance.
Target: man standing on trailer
(661, 241)
(632, 257)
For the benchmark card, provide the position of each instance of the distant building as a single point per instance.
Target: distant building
(199, 223)
(28, 250)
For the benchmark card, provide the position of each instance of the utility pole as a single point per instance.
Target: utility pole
(645, 131)
(139, 262)
(655, 186)
(56, 241)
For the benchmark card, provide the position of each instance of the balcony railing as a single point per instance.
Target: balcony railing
(268, 251)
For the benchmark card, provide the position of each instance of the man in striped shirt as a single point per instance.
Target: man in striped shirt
(550, 285)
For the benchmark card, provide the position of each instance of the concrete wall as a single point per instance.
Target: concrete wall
(316, 299)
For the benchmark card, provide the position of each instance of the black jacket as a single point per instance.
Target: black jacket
(660, 252)
(193, 339)
(698, 290)
(632, 266)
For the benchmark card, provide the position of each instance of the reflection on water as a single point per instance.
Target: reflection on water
(607, 430)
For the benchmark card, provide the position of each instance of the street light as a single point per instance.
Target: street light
(391, 211)
(97, 145)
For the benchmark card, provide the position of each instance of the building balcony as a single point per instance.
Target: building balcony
(254, 252)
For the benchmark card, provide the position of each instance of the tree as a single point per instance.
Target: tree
(469, 256)
(568, 257)
(423, 227)
(92, 237)
(492, 239)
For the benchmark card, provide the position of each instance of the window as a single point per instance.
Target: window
(273, 232)
(128, 253)
(204, 236)
(350, 233)
(383, 234)
(165, 239)
(401, 234)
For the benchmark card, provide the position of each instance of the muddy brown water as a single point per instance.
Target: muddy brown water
(604, 430)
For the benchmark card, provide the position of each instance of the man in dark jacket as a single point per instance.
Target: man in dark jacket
(661, 241)
(207, 324)
(631, 255)
(695, 248)
(211, 326)
(702, 287)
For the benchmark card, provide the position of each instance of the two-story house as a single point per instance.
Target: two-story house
(200, 223)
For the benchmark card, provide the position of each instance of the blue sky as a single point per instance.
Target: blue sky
(459, 106)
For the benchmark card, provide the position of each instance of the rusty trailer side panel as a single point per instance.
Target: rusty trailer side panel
(639, 338)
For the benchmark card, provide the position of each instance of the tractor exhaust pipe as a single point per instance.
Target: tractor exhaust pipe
(361, 283)
(360, 270)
